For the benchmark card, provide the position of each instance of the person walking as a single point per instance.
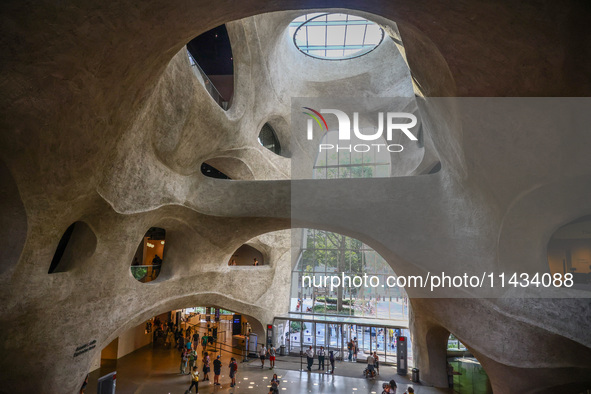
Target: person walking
(272, 353)
(194, 380)
(184, 359)
(217, 370)
(233, 371)
(331, 360)
(204, 342)
(310, 358)
(321, 358)
(262, 355)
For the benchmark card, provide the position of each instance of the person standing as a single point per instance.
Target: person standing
(376, 362)
(331, 360)
(217, 370)
(350, 349)
(274, 384)
(192, 359)
(233, 371)
(169, 339)
(321, 358)
(272, 353)
(206, 367)
(181, 343)
(355, 349)
(196, 339)
(310, 358)
(194, 380)
(371, 365)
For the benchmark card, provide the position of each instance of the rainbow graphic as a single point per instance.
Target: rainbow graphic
(315, 116)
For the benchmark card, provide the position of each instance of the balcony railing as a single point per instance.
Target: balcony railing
(209, 86)
(145, 273)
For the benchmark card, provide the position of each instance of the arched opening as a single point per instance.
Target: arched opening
(158, 342)
(149, 256)
(211, 58)
(341, 294)
(246, 255)
(569, 252)
(76, 244)
(212, 172)
(269, 140)
(226, 167)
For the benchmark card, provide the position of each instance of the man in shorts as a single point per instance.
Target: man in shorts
(272, 352)
(217, 370)
(233, 370)
(262, 355)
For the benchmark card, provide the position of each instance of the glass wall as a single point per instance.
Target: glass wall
(324, 253)
(300, 335)
(334, 317)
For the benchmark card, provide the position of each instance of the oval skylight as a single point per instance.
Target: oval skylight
(335, 36)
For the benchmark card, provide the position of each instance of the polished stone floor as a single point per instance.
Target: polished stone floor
(156, 371)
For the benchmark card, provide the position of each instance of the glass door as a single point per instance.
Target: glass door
(294, 340)
(320, 337)
(390, 345)
(308, 335)
(335, 340)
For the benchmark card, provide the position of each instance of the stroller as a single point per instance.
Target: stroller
(369, 373)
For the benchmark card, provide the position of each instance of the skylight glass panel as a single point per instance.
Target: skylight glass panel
(335, 36)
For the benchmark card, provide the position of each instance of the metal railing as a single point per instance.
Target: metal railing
(219, 347)
(146, 273)
(209, 86)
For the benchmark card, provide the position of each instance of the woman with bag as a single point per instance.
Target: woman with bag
(206, 367)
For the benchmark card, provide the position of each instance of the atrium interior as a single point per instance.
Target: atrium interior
(175, 165)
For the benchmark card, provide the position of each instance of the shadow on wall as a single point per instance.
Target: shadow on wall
(246, 255)
(13, 220)
(77, 244)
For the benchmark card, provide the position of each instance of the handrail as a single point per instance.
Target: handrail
(146, 265)
(233, 349)
(209, 86)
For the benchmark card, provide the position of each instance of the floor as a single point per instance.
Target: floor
(156, 370)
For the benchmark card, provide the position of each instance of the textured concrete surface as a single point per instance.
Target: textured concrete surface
(104, 122)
